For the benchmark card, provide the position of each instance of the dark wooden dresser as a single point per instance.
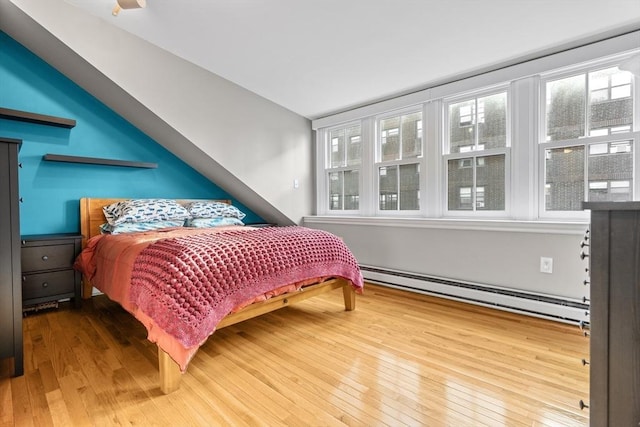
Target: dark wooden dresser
(614, 270)
(47, 268)
(10, 284)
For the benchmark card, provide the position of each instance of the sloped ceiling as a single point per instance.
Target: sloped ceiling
(247, 145)
(320, 57)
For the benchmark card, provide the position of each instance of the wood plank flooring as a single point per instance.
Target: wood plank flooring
(399, 359)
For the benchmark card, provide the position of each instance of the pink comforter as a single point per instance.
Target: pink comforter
(181, 282)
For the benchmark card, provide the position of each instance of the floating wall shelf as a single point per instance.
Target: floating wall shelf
(41, 119)
(97, 161)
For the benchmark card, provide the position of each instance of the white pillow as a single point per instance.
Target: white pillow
(207, 209)
(131, 227)
(212, 222)
(144, 210)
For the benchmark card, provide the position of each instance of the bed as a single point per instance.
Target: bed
(265, 268)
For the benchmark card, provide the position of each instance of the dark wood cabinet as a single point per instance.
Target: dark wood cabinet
(47, 268)
(614, 270)
(10, 284)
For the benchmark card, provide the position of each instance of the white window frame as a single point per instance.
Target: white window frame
(475, 153)
(524, 162)
(324, 149)
(378, 162)
(585, 141)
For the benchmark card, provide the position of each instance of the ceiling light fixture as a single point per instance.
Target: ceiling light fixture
(128, 4)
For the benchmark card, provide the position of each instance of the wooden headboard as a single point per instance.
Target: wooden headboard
(91, 215)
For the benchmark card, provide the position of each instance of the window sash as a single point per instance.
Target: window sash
(473, 129)
(400, 136)
(482, 196)
(596, 153)
(484, 192)
(343, 165)
(590, 109)
(344, 190)
(344, 146)
(399, 187)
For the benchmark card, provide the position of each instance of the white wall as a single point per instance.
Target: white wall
(503, 252)
(505, 255)
(249, 146)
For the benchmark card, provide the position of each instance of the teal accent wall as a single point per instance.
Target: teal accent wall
(51, 190)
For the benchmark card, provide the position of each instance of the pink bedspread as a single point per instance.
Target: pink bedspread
(180, 284)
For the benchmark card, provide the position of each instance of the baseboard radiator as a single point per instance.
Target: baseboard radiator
(544, 306)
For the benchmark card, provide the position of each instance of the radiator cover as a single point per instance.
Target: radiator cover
(532, 304)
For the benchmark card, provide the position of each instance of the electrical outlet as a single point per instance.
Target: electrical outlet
(546, 265)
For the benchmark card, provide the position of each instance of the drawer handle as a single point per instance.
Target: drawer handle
(585, 362)
(44, 257)
(583, 255)
(583, 405)
(45, 284)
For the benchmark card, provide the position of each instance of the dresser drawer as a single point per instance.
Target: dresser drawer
(41, 285)
(47, 257)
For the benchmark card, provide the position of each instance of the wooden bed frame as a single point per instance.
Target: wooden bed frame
(91, 217)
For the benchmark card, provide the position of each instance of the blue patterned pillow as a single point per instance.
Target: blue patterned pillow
(131, 227)
(206, 209)
(144, 210)
(212, 222)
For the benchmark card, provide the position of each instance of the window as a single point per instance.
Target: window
(344, 159)
(398, 165)
(480, 187)
(535, 146)
(608, 175)
(588, 143)
(476, 153)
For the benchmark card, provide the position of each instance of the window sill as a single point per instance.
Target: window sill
(494, 225)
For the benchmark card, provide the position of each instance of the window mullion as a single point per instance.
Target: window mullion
(433, 156)
(322, 193)
(398, 183)
(367, 167)
(345, 149)
(586, 171)
(400, 142)
(587, 105)
(344, 196)
(474, 186)
(476, 134)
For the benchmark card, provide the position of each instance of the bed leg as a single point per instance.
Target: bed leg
(349, 297)
(87, 289)
(169, 373)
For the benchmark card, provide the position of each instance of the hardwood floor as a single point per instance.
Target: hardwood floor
(398, 359)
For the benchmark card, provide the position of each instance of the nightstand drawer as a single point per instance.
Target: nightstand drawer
(45, 284)
(48, 257)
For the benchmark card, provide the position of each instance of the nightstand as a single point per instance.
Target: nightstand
(47, 268)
